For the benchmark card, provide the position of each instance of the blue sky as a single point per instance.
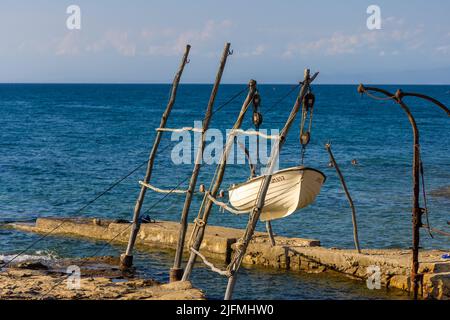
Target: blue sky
(273, 41)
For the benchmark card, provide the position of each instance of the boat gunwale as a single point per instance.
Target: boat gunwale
(297, 168)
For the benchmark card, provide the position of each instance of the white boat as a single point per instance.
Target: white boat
(290, 189)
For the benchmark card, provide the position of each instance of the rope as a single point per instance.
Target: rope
(75, 213)
(109, 189)
(111, 240)
(272, 107)
(210, 265)
(254, 133)
(229, 101)
(199, 130)
(378, 98)
(149, 186)
(440, 232)
(424, 194)
(223, 205)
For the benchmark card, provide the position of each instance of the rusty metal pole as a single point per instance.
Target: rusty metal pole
(176, 272)
(126, 259)
(416, 211)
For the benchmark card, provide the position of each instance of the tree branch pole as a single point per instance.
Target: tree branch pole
(349, 198)
(176, 271)
(205, 209)
(126, 260)
(270, 233)
(416, 211)
(243, 243)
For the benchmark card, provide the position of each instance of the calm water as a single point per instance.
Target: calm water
(63, 144)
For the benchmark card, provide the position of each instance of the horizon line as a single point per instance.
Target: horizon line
(225, 83)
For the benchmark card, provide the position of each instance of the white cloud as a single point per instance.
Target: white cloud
(118, 40)
(69, 44)
(172, 42)
(395, 34)
(149, 41)
(257, 51)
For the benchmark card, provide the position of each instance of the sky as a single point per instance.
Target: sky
(141, 41)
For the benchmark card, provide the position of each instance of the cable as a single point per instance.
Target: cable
(115, 237)
(76, 212)
(107, 190)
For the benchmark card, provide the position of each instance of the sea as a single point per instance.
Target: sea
(61, 145)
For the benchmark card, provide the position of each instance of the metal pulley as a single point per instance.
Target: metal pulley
(257, 118)
(305, 129)
(308, 101)
(304, 138)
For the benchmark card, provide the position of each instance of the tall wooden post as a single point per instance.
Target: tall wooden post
(176, 271)
(242, 244)
(126, 259)
(349, 198)
(205, 209)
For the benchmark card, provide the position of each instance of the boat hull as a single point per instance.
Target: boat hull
(290, 189)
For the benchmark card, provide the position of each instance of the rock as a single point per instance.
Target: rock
(436, 286)
(49, 283)
(32, 265)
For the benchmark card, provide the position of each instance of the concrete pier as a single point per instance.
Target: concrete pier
(290, 253)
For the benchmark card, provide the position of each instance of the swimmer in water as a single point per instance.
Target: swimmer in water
(354, 162)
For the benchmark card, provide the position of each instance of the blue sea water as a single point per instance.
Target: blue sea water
(61, 145)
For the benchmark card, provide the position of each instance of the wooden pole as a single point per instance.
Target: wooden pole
(242, 244)
(126, 259)
(205, 209)
(270, 233)
(347, 193)
(176, 271)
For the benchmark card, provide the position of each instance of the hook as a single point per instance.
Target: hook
(230, 52)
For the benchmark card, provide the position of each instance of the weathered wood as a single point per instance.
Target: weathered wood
(349, 198)
(206, 206)
(270, 233)
(126, 259)
(176, 271)
(243, 243)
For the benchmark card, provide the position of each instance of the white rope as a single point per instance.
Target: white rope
(225, 206)
(142, 183)
(200, 130)
(254, 133)
(209, 264)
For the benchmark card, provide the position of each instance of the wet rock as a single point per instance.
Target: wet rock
(99, 283)
(32, 265)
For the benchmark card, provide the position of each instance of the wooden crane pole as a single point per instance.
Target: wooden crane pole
(242, 244)
(176, 271)
(205, 209)
(126, 259)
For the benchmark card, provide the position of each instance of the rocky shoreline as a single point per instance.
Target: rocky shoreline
(100, 279)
